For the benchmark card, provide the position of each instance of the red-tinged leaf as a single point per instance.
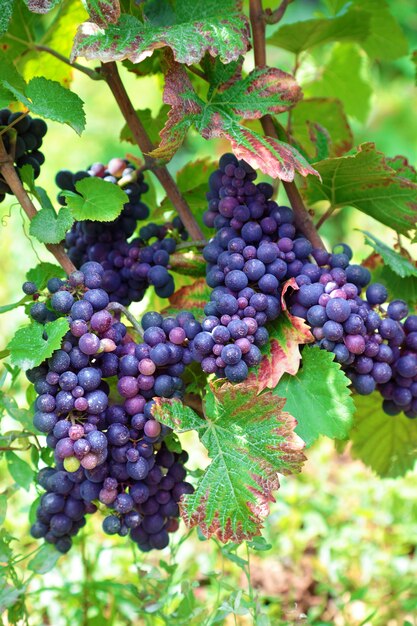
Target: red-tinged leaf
(249, 439)
(41, 6)
(192, 298)
(403, 168)
(264, 90)
(103, 12)
(282, 354)
(193, 28)
(217, 118)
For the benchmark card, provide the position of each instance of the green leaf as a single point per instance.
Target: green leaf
(220, 74)
(385, 443)
(153, 125)
(44, 560)
(335, 5)
(328, 113)
(249, 439)
(188, 263)
(9, 77)
(352, 26)
(398, 263)
(5, 15)
(9, 406)
(51, 100)
(50, 227)
(404, 289)
(386, 39)
(3, 508)
(43, 272)
(96, 200)
(9, 307)
(217, 118)
(197, 201)
(366, 181)
(19, 470)
(318, 397)
(195, 173)
(341, 77)
(28, 348)
(197, 27)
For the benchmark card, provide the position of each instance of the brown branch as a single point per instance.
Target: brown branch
(273, 17)
(325, 216)
(77, 66)
(303, 220)
(12, 179)
(142, 139)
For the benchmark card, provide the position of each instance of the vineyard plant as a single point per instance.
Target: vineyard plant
(209, 312)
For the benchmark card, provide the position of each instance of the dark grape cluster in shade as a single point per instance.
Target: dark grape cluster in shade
(255, 250)
(105, 451)
(348, 316)
(129, 266)
(23, 145)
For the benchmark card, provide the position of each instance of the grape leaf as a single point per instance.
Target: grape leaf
(403, 168)
(397, 262)
(386, 39)
(387, 444)
(28, 348)
(192, 298)
(41, 6)
(103, 12)
(43, 272)
(9, 76)
(328, 113)
(404, 289)
(195, 173)
(197, 27)
(221, 75)
(217, 118)
(44, 560)
(367, 182)
(341, 78)
(249, 440)
(51, 100)
(318, 397)
(6, 15)
(97, 200)
(188, 263)
(14, 305)
(153, 125)
(196, 200)
(335, 5)
(19, 470)
(352, 26)
(281, 355)
(50, 227)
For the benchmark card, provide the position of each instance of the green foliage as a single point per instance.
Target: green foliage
(44, 560)
(153, 125)
(385, 443)
(342, 78)
(43, 272)
(96, 199)
(386, 39)
(29, 348)
(249, 439)
(367, 182)
(50, 227)
(103, 11)
(5, 16)
(399, 264)
(191, 30)
(352, 26)
(41, 6)
(318, 397)
(19, 470)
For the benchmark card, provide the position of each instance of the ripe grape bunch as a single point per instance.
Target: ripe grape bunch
(110, 453)
(375, 347)
(130, 267)
(255, 250)
(23, 144)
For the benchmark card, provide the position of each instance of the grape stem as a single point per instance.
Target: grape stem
(112, 76)
(303, 220)
(12, 179)
(191, 244)
(116, 306)
(325, 216)
(273, 17)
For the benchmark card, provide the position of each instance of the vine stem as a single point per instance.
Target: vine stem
(303, 220)
(112, 76)
(116, 306)
(273, 17)
(191, 244)
(325, 216)
(12, 179)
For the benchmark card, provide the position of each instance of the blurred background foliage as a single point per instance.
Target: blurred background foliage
(339, 545)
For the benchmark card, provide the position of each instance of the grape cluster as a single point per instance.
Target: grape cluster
(129, 267)
(113, 453)
(255, 250)
(25, 147)
(375, 348)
